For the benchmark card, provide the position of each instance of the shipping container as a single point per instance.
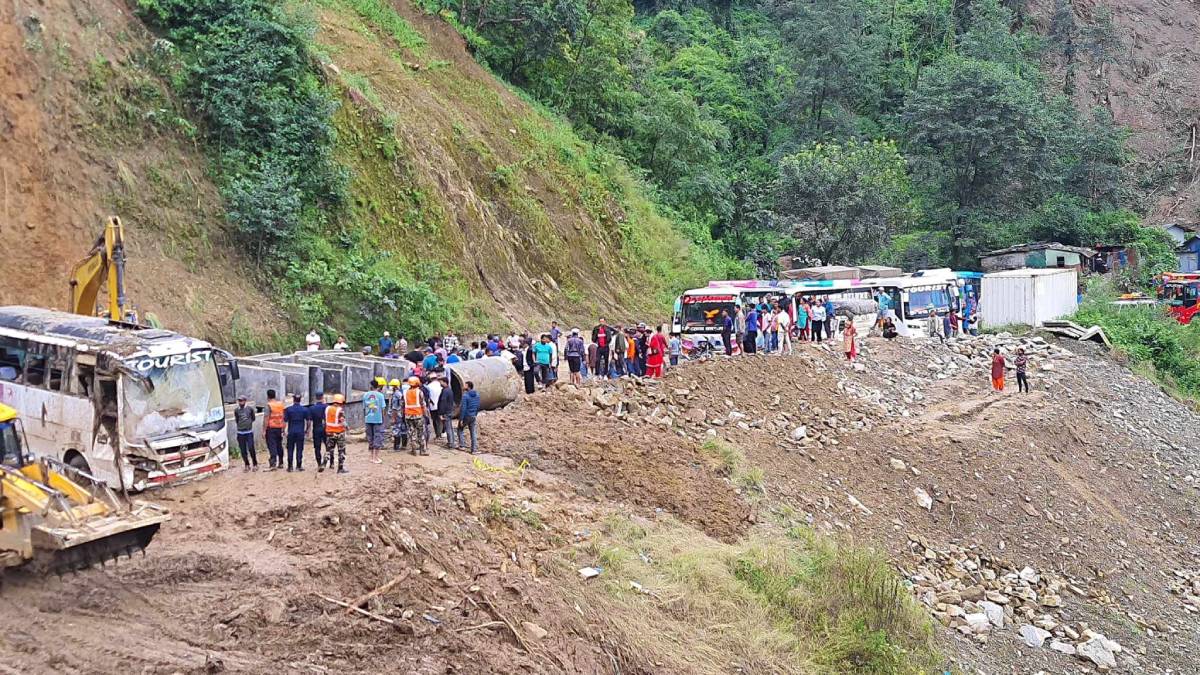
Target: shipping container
(1028, 296)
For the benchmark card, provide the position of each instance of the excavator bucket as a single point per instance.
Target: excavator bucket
(60, 550)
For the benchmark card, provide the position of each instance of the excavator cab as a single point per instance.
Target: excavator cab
(12, 438)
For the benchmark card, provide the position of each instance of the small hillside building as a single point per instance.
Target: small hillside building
(1188, 254)
(1041, 255)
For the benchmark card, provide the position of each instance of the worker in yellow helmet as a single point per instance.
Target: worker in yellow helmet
(416, 406)
(396, 414)
(335, 434)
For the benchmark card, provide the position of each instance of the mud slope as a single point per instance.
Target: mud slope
(1149, 79)
(87, 130)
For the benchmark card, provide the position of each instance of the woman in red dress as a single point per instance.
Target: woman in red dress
(656, 351)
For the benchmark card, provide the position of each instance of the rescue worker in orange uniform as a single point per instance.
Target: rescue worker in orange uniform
(415, 407)
(335, 434)
(273, 430)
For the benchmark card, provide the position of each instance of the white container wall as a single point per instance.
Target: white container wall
(1028, 296)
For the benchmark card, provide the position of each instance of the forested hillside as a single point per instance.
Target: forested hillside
(916, 132)
(355, 164)
(344, 164)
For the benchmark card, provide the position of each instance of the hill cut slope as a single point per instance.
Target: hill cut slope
(86, 130)
(453, 179)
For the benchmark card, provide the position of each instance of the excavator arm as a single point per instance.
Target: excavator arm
(104, 266)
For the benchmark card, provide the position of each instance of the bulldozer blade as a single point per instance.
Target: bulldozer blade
(95, 552)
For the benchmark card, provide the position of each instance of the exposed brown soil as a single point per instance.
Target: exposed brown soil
(1150, 84)
(70, 156)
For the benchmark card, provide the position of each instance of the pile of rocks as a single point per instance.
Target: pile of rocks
(976, 595)
(640, 401)
(975, 352)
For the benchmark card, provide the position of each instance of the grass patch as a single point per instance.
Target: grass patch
(497, 512)
(731, 462)
(385, 18)
(679, 601)
(1011, 328)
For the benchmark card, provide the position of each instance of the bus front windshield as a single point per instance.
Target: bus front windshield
(705, 314)
(921, 299)
(171, 394)
(1181, 295)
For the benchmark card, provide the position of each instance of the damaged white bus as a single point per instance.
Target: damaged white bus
(133, 406)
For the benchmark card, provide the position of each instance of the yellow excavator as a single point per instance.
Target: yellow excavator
(104, 268)
(55, 518)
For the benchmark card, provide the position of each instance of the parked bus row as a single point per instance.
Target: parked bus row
(698, 312)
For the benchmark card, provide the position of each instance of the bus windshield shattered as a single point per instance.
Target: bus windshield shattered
(169, 394)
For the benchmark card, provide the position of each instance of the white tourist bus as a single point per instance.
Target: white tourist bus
(913, 294)
(698, 311)
(133, 406)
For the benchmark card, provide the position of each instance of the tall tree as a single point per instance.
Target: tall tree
(977, 131)
(837, 57)
(843, 202)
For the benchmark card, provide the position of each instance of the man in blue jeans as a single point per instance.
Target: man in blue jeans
(373, 406)
(244, 416)
(467, 412)
(316, 417)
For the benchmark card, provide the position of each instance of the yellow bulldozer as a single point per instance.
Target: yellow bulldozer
(55, 518)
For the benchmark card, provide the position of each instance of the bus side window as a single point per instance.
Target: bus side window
(57, 372)
(35, 370)
(81, 384)
(10, 364)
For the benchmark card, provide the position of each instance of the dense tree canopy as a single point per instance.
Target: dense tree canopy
(935, 117)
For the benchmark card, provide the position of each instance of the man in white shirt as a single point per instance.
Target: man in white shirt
(784, 320)
(435, 392)
(312, 341)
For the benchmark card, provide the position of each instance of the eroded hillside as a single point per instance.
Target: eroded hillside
(1140, 60)
(86, 130)
(473, 205)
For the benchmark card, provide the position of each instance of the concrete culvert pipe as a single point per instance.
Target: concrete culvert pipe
(495, 379)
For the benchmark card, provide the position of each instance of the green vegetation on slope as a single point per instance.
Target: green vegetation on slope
(715, 99)
(783, 600)
(332, 197)
(1165, 350)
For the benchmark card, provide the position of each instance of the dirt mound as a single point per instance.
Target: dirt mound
(609, 460)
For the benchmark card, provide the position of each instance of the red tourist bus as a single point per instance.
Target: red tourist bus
(1180, 292)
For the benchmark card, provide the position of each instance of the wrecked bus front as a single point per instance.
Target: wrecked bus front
(172, 418)
(132, 405)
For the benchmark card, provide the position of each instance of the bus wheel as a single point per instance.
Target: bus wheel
(76, 460)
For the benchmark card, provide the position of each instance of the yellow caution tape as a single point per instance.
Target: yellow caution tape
(518, 470)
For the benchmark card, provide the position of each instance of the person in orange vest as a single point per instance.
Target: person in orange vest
(415, 406)
(273, 430)
(335, 434)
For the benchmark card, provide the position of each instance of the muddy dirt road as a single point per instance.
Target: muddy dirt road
(1091, 478)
